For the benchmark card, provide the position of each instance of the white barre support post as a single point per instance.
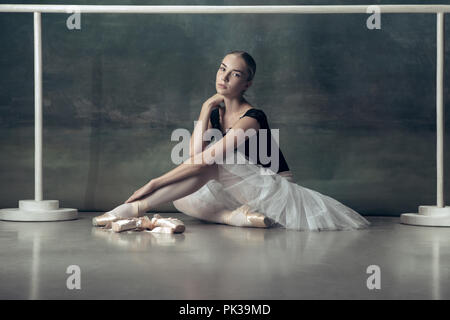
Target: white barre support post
(37, 107)
(438, 215)
(38, 209)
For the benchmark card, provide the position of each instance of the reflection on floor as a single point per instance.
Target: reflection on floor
(213, 261)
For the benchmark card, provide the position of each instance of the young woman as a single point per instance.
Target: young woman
(249, 191)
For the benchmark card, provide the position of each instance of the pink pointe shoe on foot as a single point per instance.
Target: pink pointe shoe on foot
(244, 217)
(124, 211)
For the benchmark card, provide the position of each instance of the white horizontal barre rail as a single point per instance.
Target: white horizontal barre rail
(394, 8)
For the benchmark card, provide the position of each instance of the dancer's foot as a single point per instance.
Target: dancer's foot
(244, 217)
(124, 211)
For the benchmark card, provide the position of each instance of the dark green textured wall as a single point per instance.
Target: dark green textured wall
(355, 107)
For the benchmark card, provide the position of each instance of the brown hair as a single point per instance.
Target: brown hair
(251, 64)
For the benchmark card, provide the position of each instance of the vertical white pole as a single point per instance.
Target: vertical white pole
(440, 109)
(37, 108)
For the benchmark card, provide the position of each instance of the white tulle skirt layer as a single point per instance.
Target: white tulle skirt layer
(277, 197)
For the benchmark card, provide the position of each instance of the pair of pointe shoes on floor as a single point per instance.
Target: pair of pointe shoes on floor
(241, 217)
(157, 224)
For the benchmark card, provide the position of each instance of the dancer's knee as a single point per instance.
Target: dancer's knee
(180, 204)
(185, 206)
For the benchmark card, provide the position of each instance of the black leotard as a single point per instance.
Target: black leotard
(260, 116)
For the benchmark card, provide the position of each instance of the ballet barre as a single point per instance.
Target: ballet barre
(48, 210)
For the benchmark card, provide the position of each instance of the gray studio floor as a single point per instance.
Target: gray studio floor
(212, 261)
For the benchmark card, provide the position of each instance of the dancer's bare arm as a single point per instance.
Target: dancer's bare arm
(194, 164)
(197, 144)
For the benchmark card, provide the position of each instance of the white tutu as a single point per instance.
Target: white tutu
(289, 204)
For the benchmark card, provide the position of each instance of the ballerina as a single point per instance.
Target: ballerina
(253, 192)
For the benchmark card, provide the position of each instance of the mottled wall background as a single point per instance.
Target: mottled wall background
(355, 107)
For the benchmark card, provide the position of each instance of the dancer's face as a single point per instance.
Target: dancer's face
(233, 75)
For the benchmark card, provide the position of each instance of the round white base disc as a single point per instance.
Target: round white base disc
(16, 214)
(430, 216)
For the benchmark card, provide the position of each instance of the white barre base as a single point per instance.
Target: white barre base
(32, 210)
(430, 216)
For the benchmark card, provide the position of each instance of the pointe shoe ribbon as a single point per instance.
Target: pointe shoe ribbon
(176, 225)
(124, 225)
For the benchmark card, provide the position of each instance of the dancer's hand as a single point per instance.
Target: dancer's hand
(214, 101)
(148, 188)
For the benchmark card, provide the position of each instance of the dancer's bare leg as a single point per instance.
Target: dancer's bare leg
(240, 217)
(177, 189)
